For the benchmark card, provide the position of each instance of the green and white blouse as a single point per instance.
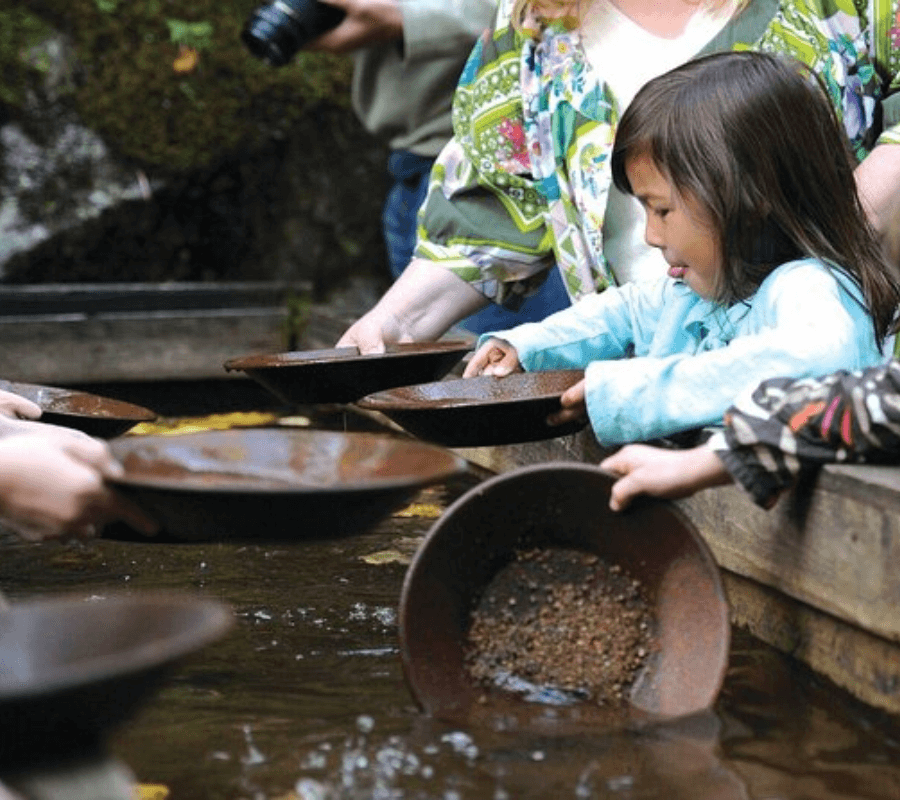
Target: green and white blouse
(523, 184)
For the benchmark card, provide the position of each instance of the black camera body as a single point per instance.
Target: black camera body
(277, 30)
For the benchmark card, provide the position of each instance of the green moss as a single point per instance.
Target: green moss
(133, 95)
(19, 30)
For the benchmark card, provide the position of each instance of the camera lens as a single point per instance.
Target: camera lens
(275, 32)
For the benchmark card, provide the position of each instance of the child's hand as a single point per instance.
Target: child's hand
(671, 474)
(573, 405)
(495, 357)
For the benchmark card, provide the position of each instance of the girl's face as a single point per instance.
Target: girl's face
(679, 226)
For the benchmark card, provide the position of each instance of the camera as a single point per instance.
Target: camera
(276, 31)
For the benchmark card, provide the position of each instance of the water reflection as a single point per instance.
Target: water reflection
(306, 699)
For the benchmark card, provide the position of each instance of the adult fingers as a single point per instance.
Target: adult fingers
(18, 407)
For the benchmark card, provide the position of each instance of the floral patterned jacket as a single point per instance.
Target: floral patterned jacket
(524, 182)
(786, 425)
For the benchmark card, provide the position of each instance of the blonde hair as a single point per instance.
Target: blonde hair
(529, 16)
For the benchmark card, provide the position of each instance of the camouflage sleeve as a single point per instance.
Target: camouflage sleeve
(785, 426)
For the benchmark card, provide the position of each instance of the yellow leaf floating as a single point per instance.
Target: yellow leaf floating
(424, 510)
(187, 60)
(179, 425)
(386, 557)
(151, 791)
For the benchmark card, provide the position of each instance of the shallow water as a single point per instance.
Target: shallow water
(305, 698)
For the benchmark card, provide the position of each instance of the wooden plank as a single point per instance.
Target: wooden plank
(834, 545)
(73, 334)
(143, 347)
(864, 664)
(52, 300)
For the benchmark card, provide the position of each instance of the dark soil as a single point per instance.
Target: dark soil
(562, 619)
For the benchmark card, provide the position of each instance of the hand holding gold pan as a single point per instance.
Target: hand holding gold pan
(569, 575)
(481, 411)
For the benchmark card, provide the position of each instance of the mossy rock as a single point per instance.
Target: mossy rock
(19, 31)
(169, 84)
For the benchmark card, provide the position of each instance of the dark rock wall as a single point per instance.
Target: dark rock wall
(116, 166)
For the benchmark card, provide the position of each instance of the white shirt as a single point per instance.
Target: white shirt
(629, 56)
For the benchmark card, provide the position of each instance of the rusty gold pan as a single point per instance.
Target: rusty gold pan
(562, 505)
(93, 414)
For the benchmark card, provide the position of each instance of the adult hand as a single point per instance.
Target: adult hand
(495, 357)
(420, 306)
(10, 426)
(367, 22)
(53, 485)
(573, 405)
(658, 472)
(17, 407)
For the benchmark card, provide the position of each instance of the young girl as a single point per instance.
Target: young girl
(780, 429)
(773, 269)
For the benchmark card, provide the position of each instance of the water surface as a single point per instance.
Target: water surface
(305, 698)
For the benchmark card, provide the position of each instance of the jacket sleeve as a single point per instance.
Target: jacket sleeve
(609, 325)
(784, 426)
(444, 28)
(801, 323)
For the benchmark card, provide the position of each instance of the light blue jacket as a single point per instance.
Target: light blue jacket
(660, 359)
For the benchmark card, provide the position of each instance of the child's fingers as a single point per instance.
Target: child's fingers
(506, 364)
(620, 463)
(623, 492)
(573, 406)
(492, 356)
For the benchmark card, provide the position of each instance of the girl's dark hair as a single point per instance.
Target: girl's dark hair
(754, 139)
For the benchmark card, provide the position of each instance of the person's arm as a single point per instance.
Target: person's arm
(877, 181)
(421, 305)
(772, 434)
(605, 325)
(52, 483)
(429, 29)
(367, 22)
(843, 416)
(801, 323)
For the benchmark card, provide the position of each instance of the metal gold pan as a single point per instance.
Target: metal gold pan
(275, 483)
(342, 375)
(72, 669)
(480, 412)
(562, 505)
(93, 414)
